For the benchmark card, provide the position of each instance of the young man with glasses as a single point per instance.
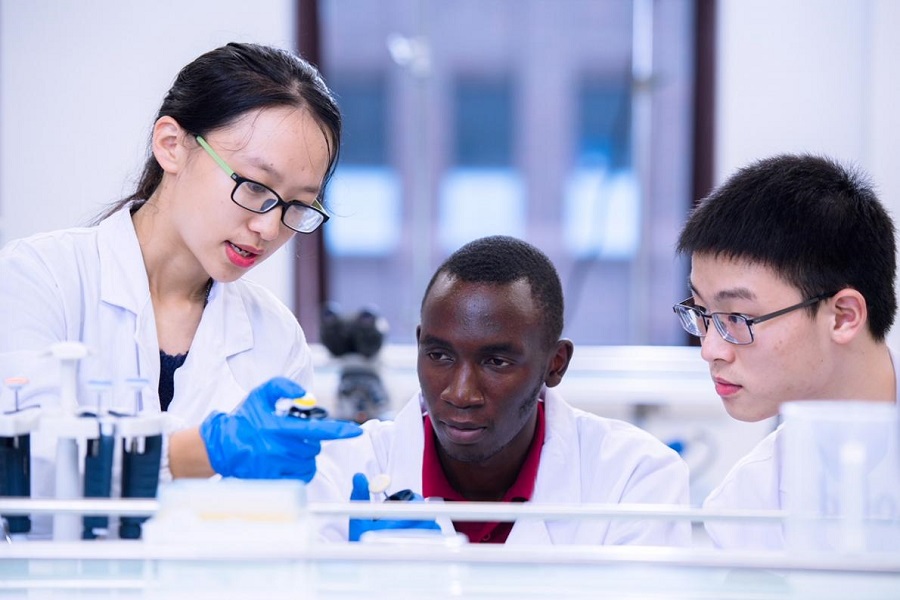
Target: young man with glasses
(792, 294)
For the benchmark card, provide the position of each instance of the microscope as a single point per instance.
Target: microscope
(355, 340)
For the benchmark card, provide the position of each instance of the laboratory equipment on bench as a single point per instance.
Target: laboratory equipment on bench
(217, 513)
(93, 430)
(16, 427)
(355, 340)
(841, 476)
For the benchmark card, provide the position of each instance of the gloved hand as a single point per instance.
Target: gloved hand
(253, 442)
(360, 526)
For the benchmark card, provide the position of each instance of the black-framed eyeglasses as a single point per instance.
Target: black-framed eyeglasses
(734, 328)
(258, 198)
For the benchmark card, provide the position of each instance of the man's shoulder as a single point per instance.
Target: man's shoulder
(597, 434)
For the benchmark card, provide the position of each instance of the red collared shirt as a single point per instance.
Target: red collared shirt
(435, 484)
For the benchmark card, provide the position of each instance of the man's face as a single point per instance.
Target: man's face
(482, 363)
(789, 357)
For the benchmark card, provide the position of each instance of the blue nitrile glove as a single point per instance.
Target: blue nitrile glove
(255, 443)
(360, 526)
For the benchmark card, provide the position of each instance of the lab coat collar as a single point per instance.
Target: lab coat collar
(558, 485)
(553, 486)
(225, 325)
(896, 379)
(409, 419)
(121, 284)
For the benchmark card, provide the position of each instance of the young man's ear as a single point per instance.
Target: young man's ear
(850, 315)
(167, 143)
(559, 363)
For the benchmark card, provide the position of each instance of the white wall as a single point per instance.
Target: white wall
(818, 76)
(80, 83)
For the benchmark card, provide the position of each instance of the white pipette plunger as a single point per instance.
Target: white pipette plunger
(68, 429)
(68, 354)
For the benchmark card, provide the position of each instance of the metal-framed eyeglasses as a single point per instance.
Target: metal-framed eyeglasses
(734, 328)
(258, 198)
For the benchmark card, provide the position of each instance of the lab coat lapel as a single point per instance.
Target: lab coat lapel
(558, 478)
(404, 453)
(123, 276)
(206, 379)
(124, 290)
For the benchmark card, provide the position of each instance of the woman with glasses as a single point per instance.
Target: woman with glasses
(792, 295)
(240, 153)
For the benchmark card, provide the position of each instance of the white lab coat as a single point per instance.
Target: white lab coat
(90, 285)
(585, 459)
(754, 483)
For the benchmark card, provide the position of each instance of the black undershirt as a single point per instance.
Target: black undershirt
(168, 364)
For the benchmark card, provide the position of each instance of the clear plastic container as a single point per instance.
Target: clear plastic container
(840, 479)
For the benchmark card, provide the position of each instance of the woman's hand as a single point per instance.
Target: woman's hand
(255, 443)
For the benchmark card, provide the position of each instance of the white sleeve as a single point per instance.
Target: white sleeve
(33, 316)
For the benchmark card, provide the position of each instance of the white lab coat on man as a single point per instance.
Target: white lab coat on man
(585, 459)
(90, 285)
(755, 482)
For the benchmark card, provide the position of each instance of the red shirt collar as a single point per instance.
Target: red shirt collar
(435, 483)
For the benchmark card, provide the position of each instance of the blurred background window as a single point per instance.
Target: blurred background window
(566, 123)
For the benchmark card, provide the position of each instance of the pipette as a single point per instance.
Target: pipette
(137, 385)
(98, 459)
(68, 354)
(15, 384)
(305, 407)
(141, 434)
(68, 429)
(379, 485)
